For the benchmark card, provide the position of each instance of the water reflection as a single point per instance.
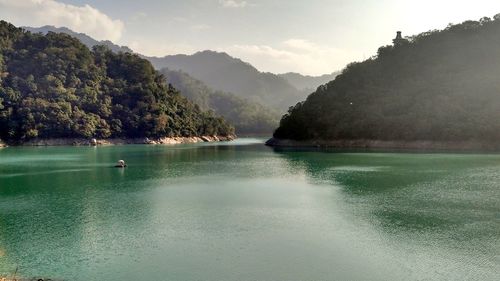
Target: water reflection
(450, 199)
(245, 212)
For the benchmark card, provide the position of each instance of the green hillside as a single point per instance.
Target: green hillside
(53, 86)
(439, 85)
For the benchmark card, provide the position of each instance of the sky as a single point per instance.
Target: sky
(311, 37)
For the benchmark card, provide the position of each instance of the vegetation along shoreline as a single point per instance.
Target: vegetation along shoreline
(120, 141)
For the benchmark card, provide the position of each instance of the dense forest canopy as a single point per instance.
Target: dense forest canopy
(439, 85)
(54, 86)
(248, 118)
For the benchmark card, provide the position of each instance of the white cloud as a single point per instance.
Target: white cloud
(233, 3)
(86, 19)
(295, 55)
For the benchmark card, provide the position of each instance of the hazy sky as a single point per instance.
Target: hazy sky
(306, 36)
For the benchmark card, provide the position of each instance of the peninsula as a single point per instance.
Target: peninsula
(438, 89)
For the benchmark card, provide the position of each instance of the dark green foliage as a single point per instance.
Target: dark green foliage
(84, 38)
(53, 86)
(248, 118)
(440, 85)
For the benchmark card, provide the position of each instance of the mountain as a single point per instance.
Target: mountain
(225, 73)
(234, 89)
(84, 38)
(53, 86)
(307, 83)
(248, 118)
(222, 73)
(438, 86)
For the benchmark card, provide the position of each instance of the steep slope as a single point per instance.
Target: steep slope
(225, 73)
(438, 86)
(53, 86)
(307, 83)
(248, 118)
(84, 38)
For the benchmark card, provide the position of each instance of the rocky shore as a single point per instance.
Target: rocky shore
(123, 141)
(2, 144)
(381, 144)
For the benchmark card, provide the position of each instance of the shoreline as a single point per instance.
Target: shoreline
(121, 141)
(382, 144)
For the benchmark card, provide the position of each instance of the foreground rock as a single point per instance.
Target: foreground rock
(119, 141)
(380, 144)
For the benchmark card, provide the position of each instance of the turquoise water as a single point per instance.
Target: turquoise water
(242, 211)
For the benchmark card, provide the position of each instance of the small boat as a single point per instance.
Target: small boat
(120, 164)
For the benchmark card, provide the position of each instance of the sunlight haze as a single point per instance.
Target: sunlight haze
(310, 37)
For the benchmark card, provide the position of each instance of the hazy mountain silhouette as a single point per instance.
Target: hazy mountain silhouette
(84, 38)
(225, 73)
(249, 118)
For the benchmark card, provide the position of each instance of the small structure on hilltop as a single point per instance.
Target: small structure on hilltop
(399, 40)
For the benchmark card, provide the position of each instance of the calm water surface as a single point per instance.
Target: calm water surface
(242, 211)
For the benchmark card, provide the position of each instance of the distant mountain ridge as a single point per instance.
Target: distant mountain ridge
(84, 38)
(225, 73)
(249, 118)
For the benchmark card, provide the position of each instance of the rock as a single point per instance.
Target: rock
(148, 141)
(118, 141)
(272, 142)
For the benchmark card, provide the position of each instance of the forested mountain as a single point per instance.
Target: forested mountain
(307, 83)
(439, 85)
(84, 38)
(248, 118)
(225, 73)
(53, 86)
(246, 114)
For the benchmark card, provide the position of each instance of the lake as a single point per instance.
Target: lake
(242, 211)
